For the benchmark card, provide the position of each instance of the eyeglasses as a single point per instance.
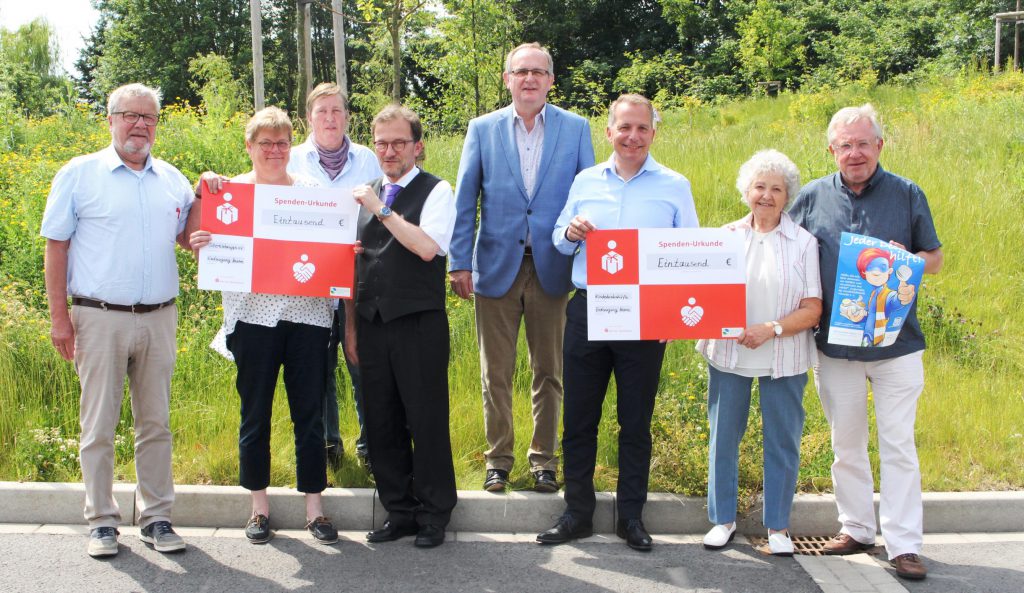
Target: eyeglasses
(130, 117)
(398, 145)
(524, 72)
(848, 147)
(280, 145)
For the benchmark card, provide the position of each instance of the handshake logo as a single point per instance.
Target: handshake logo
(692, 313)
(303, 270)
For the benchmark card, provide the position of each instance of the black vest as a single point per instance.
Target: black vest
(392, 280)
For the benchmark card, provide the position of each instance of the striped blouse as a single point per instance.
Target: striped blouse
(796, 255)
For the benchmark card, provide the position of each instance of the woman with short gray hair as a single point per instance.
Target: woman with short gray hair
(776, 348)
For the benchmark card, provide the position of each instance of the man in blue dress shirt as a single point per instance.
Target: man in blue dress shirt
(628, 191)
(111, 221)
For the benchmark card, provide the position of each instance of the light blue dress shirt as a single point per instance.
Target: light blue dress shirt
(122, 224)
(656, 197)
(361, 167)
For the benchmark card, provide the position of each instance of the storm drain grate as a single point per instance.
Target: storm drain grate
(813, 545)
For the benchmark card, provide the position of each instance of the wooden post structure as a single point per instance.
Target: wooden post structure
(305, 47)
(340, 72)
(1016, 41)
(256, 25)
(1008, 17)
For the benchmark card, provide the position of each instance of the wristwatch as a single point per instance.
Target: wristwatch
(384, 213)
(778, 329)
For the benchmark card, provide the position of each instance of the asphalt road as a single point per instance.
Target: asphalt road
(37, 562)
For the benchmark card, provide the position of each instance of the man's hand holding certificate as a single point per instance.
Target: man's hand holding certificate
(279, 240)
(651, 284)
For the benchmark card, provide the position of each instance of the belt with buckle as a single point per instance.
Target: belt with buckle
(84, 302)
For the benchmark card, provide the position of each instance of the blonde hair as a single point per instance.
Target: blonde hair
(326, 89)
(268, 118)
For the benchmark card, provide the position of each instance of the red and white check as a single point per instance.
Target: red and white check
(658, 284)
(279, 239)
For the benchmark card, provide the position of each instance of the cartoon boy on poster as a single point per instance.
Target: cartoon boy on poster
(876, 268)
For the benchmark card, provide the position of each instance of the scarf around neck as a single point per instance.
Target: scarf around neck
(333, 161)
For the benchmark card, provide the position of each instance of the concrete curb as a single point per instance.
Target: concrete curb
(358, 509)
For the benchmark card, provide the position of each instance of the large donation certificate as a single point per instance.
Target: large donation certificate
(656, 284)
(279, 239)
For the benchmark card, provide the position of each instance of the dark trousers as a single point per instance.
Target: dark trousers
(332, 432)
(588, 367)
(259, 353)
(404, 367)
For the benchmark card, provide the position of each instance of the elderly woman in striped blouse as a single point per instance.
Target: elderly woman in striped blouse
(776, 348)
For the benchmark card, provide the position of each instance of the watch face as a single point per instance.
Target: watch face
(778, 329)
(385, 211)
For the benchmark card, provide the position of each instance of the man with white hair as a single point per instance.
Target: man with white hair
(111, 221)
(864, 198)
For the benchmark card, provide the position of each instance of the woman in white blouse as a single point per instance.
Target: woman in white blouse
(776, 348)
(265, 332)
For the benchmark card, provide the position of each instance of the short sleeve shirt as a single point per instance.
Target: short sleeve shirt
(890, 208)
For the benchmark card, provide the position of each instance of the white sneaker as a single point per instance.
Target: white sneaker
(719, 537)
(102, 542)
(779, 544)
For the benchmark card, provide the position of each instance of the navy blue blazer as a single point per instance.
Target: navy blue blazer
(489, 174)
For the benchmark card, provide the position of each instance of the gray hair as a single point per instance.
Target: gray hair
(633, 99)
(130, 91)
(534, 45)
(768, 162)
(851, 115)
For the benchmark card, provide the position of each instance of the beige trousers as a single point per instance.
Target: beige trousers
(110, 345)
(497, 326)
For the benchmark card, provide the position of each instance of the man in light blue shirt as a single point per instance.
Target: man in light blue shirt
(630, 190)
(111, 221)
(331, 158)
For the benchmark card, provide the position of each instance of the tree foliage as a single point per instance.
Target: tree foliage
(31, 80)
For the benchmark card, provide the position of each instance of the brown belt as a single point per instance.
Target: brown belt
(84, 302)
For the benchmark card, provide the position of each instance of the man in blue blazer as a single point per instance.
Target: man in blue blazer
(518, 164)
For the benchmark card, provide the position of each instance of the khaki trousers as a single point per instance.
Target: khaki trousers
(497, 326)
(110, 345)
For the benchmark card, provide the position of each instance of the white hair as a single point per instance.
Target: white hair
(533, 45)
(130, 91)
(768, 162)
(851, 115)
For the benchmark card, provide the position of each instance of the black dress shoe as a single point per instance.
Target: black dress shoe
(544, 481)
(390, 532)
(567, 529)
(496, 480)
(429, 536)
(632, 530)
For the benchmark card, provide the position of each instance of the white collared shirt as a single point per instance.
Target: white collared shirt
(530, 145)
(437, 219)
(122, 225)
(361, 166)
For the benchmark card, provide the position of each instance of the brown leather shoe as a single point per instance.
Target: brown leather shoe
(842, 545)
(909, 566)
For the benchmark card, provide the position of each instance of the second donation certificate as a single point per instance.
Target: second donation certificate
(279, 240)
(657, 284)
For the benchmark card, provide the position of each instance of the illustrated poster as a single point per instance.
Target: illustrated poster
(876, 285)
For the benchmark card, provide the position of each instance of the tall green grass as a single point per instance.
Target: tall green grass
(958, 138)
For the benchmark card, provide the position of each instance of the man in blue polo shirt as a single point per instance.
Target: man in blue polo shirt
(628, 191)
(865, 199)
(111, 221)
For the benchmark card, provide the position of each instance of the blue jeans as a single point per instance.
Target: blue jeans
(782, 412)
(332, 432)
